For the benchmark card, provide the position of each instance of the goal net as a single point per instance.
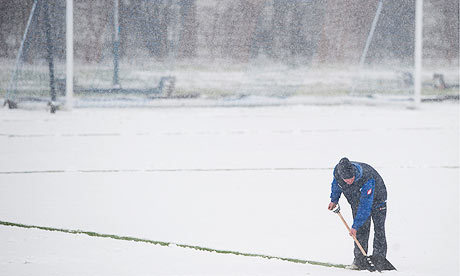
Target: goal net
(199, 52)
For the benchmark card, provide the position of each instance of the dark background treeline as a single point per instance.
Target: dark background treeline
(324, 31)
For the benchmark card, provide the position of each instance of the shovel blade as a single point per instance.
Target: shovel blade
(365, 263)
(381, 263)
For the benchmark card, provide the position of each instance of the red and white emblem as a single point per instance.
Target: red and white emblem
(370, 191)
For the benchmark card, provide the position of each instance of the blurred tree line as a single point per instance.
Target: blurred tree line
(324, 31)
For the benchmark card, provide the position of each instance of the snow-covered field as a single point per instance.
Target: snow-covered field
(251, 180)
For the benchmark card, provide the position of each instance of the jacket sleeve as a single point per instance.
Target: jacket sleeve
(335, 191)
(365, 204)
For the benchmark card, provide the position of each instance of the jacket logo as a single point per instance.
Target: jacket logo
(370, 191)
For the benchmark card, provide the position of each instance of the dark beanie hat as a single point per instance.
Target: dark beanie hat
(345, 168)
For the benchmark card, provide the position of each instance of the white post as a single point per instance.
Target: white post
(69, 55)
(418, 52)
(116, 44)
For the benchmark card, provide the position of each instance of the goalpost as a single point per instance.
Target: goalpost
(28, 85)
(69, 52)
(418, 49)
(74, 88)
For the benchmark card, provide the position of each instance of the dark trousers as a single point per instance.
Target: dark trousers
(378, 216)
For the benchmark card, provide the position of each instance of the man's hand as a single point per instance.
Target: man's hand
(353, 232)
(331, 206)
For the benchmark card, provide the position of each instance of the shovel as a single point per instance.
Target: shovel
(371, 263)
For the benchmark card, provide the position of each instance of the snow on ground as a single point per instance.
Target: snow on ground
(33, 252)
(253, 180)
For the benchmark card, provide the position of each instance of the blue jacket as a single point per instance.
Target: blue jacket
(367, 192)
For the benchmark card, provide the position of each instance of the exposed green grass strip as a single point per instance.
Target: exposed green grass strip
(200, 248)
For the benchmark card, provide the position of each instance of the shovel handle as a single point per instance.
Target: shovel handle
(356, 240)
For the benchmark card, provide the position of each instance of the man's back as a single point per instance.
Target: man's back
(363, 174)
